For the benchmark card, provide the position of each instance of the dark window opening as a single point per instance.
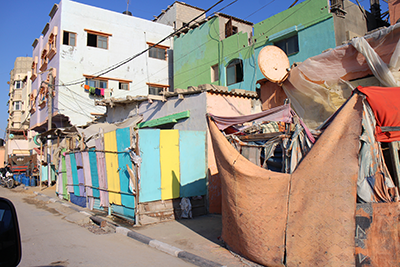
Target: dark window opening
(123, 86)
(156, 52)
(155, 90)
(230, 29)
(289, 45)
(69, 38)
(97, 40)
(234, 72)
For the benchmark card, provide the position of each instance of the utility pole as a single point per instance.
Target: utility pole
(49, 126)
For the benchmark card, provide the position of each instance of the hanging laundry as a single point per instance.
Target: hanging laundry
(92, 90)
(102, 91)
(86, 87)
(97, 91)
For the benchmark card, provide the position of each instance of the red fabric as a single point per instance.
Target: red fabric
(385, 103)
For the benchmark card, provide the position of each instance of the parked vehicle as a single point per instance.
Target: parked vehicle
(6, 177)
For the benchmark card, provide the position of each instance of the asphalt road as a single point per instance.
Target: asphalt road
(48, 239)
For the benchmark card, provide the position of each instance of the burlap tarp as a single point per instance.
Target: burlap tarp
(302, 219)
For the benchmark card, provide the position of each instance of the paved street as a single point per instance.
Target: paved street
(49, 239)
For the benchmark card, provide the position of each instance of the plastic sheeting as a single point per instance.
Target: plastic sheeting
(318, 86)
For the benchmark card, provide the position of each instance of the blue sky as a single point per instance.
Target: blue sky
(21, 21)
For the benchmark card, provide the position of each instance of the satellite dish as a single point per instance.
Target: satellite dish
(273, 63)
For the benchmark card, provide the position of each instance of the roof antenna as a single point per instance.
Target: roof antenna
(127, 12)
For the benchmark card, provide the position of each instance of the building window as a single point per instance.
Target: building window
(123, 86)
(44, 58)
(230, 29)
(18, 84)
(156, 89)
(97, 41)
(34, 69)
(158, 51)
(17, 105)
(234, 72)
(52, 43)
(69, 38)
(289, 45)
(97, 83)
(214, 73)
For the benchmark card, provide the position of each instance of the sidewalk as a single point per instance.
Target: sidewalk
(199, 236)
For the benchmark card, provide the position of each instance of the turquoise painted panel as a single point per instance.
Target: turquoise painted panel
(192, 151)
(45, 173)
(74, 172)
(123, 143)
(94, 173)
(97, 203)
(309, 46)
(123, 211)
(150, 170)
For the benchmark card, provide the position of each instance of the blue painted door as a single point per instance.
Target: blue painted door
(150, 172)
(192, 151)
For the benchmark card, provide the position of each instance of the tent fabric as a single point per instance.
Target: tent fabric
(384, 102)
(281, 113)
(377, 234)
(318, 86)
(374, 182)
(304, 218)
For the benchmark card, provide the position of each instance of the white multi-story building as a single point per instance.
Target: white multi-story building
(79, 43)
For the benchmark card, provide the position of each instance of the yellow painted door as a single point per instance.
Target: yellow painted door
(169, 161)
(110, 145)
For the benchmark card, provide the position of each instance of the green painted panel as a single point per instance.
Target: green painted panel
(173, 118)
(305, 14)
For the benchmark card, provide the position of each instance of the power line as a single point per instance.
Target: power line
(111, 68)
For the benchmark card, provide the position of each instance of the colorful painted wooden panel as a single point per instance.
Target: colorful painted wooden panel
(70, 188)
(192, 163)
(94, 173)
(169, 159)
(110, 145)
(64, 175)
(59, 191)
(123, 143)
(87, 173)
(45, 173)
(102, 172)
(125, 212)
(81, 175)
(150, 170)
(74, 171)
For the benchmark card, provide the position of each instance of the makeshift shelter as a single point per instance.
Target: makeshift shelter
(311, 217)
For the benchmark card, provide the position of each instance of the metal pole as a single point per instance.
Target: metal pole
(49, 126)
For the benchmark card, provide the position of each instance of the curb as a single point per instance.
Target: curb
(171, 250)
(161, 246)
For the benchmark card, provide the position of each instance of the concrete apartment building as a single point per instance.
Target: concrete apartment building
(81, 51)
(18, 108)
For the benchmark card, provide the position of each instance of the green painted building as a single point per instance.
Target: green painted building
(222, 50)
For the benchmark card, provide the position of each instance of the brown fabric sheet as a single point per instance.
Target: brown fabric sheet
(254, 204)
(321, 223)
(377, 234)
(314, 226)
